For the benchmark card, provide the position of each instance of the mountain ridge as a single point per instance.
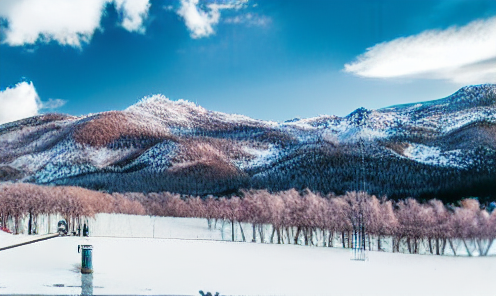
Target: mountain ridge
(420, 149)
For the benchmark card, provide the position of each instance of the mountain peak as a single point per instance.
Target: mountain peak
(475, 95)
(359, 116)
(160, 101)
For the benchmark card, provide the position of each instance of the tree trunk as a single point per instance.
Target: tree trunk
(379, 243)
(466, 247)
(254, 240)
(79, 232)
(272, 235)
(279, 236)
(437, 246)
(477, 243)
(331, 236)
(342, 239)
(261, 231)
(16, 225)
(36, 218)
(324, 238)
(491, 240)
(305, 235)
(30, 223)
(297, 235)
(242, 232)
(352, 238)
(409, 245)
(451, 245)
(443, 247)
(232, 230)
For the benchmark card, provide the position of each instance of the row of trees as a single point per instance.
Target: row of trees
(299, 216)
(296, 217)
(19, 200)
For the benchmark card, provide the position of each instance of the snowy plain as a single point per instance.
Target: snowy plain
(198, 260)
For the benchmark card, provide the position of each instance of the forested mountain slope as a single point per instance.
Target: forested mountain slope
(444, 148)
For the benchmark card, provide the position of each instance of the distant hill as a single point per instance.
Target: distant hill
(444, 148)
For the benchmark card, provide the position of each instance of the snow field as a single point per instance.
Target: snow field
(183, 267)
(434, 156)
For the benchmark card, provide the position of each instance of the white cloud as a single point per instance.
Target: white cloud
(19, 102)
(200, 22)
(249, 19)
(134, 12)
(463, 55)
(69, 22)
(22, 101)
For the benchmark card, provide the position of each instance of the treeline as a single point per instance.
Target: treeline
(19, 200)
(302, 216)
(296, 217)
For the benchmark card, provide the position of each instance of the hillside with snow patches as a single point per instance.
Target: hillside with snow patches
(444, 148)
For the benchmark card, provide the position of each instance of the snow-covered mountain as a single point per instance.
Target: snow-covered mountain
(444, 148)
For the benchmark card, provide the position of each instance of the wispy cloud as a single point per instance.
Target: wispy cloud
(200, 19)
(249, 19)
(22, 101)
(53, 104)
(463, 55)
(66, 22)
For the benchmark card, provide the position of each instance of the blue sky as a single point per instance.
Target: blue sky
(272, 60)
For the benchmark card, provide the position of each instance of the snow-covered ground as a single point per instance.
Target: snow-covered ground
(183, 267)
(7, 240)
(434, 155)
(261, 157)
(186, 265)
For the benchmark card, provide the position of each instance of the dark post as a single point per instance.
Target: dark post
(30, 223)
(86, 258)
(85, 230)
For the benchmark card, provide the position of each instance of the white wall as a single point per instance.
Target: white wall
(121, 225)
